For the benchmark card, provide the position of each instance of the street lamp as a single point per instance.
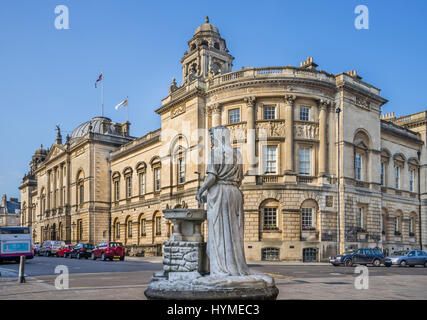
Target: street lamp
(338, 111)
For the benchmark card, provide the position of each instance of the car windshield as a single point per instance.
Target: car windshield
(89, 246)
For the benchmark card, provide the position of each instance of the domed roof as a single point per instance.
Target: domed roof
(41, 151)
(206, 27)
(100, 125)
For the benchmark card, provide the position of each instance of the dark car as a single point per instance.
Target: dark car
(412, 258)
(81, 250)
(360, 256)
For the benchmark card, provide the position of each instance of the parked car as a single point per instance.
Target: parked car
(50, 248)
(360, 256)
(412, 258)
(64, 251)
(400, 253)
(109, 250)
(36, 248)
(82, 250)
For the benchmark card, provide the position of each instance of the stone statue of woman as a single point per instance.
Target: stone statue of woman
(225, 216)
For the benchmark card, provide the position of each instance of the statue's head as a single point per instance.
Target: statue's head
(220, 136)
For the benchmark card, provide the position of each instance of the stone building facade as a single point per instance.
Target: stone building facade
(324, 170)
(10, 212)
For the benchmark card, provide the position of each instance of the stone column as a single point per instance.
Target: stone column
(289, 140)
(216, 114)
(49, 172)
(250, 143)
(61, 186)
(323, 104)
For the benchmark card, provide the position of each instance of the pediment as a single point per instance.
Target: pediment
(55, 151)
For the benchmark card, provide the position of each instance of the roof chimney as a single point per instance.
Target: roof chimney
(3, 201)
(308, 64)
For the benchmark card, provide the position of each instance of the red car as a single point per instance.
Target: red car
(109, 250)
(64, 251)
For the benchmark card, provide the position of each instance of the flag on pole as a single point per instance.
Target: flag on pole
(124, 103)
(99, 79)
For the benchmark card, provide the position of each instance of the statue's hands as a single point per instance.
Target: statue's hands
(201, 197)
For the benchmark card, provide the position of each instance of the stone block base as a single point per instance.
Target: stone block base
(269, 293)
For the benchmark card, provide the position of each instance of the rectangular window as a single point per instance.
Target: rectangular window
(358, 166)
(396, 224)
(411, 225)
(307, 221)
(157, 179)
(142, 183)
(397, 177)
(270, 218)
(116, 191)
(270, 159)
(128, 187)
(130, 229)
(143, 227)
(81, 194)
(305, 161)
(158, 226)
(359, 218)
(234, 116)
(269, 112)
(411, 180)
(304, 113)
(181, 170)
(382, 171)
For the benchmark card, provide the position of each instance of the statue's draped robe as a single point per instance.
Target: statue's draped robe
(225, 214)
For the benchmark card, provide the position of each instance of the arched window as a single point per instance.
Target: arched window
(127, 173)
(116, 186)
(128, 228)
(143, 226)
(142, 178)
(309, 209)
(116, 229)
(157, 221)
(398, 223)
(399, 164)
(361, 144)
(80, 188)
(269, 213)
(156, 167)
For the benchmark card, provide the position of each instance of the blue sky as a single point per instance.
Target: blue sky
(47, 75)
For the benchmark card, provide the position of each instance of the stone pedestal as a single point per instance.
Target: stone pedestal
(185, 274)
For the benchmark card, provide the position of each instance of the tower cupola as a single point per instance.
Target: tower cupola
(207, 54)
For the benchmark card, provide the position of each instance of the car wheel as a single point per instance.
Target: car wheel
(123, 258)
(425, 264)
(103, 257)
(403, 263)
(377, 263)
(348, 263)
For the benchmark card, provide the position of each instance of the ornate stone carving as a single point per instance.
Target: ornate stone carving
(325, 103)
(306, 131)
(290, 98)
(250, 101)
(237, 131)
(215, 108)
(363, 103)
(273, 128)
(180, 109)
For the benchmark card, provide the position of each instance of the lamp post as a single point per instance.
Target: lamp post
(338, 111)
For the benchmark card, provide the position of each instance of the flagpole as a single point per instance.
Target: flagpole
(102, 89)
(127, 110)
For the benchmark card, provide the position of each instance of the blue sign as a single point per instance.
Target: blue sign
(16, 247)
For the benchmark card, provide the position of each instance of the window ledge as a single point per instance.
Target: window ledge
(272, 231)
